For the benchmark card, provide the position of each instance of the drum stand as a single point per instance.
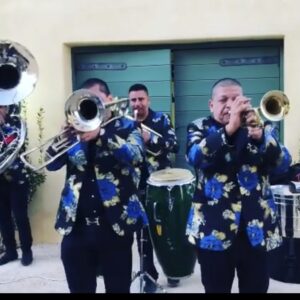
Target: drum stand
(141, 273)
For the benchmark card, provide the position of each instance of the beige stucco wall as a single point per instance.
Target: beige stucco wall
(50, 27)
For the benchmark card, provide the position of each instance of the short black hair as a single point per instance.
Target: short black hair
(138, 87)
(96, 81)
(225, 82)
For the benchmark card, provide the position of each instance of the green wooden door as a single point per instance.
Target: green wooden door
(195, 71)
(124, 68)
(192, 71)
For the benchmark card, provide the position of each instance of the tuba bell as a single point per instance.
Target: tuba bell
(84, 111)
(18, 77)
(18, 72)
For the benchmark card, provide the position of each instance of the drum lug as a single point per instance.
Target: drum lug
(170, 198)
(156, 219)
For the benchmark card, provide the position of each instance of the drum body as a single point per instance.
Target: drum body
(288, 206)
(168, 201)
(285, 260)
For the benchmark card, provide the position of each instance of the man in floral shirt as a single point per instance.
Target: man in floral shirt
(233, 218)
(14, 193)
(99, 209)
(158, 156)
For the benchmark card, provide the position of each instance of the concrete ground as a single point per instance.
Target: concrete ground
(46, 275)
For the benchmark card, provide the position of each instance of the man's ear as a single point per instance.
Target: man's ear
(210, 105)
(110, 97)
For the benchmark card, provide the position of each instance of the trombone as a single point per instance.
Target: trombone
(148, 129)
(143, 126)
(85, 112)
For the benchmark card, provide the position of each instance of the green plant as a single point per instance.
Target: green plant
(35, 178)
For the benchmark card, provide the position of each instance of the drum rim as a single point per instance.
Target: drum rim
(171, 182)
(186, 179)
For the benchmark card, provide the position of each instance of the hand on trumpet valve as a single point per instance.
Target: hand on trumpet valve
(146, 135)
(237, 110)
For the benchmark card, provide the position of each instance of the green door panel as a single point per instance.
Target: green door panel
(122, 69)
(213, 55)
(192, 70)
(195, 71)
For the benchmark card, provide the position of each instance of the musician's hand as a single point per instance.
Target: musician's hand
(90, 135)
(68, 132)
(2, 119)
(146, 136)
(3, 113)
(239, 106)
(255, 132)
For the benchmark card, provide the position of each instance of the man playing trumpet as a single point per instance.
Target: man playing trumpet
(233, 219)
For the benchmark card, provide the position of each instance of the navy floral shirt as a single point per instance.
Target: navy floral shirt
(9, 140)
(118, 153)
(159, 149)
(233, 179)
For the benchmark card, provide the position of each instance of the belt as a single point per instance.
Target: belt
(90, 221)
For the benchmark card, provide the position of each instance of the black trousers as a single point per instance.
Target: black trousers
(88, 246)
(14, 200)
(218, 268)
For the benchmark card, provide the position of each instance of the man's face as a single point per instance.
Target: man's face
(222, 99)
(140, 101)
(96, 89)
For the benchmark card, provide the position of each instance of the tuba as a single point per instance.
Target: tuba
(84, 111)
(274, 106)
(18, 77)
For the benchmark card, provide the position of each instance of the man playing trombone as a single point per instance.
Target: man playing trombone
(99, 208)
(160, 140)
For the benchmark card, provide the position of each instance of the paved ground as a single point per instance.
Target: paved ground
(46, 275)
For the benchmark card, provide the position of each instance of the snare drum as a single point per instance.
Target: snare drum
(168, 201)
(285, 260)
(288, 206)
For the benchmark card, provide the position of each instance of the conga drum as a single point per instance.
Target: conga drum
(285, 260)
(168, 201)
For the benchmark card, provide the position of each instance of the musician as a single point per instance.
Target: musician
(14, 191)
(233, 219)
(99, 208)
(158, 157)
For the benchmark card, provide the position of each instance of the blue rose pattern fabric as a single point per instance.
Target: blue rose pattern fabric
(233, 180)
(119, 155)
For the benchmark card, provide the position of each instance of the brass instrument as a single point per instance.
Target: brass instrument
(84, 112)
(18, 72)
(274, 106)
(143, 126)
(18, 77)
(148, 129)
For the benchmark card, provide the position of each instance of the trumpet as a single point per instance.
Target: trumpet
(84, 111)
(274, 106)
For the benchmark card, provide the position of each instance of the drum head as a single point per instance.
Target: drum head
(170, 177)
